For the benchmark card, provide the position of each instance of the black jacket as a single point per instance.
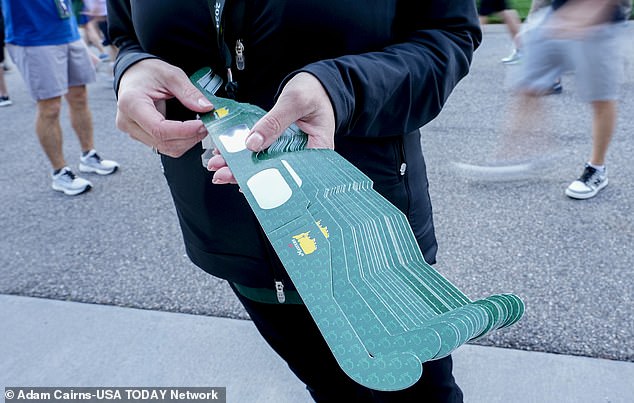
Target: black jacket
(387, 65)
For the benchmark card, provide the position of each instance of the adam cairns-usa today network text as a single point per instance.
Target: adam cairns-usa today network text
(109, 394)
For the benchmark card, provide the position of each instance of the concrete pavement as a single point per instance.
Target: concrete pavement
(70, 344)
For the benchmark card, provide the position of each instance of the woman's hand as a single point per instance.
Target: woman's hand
(303, 101)
(143, 89)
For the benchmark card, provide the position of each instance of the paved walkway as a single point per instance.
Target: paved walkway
(70, 344)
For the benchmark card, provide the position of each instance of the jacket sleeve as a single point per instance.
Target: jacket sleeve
(405, 85)
(121, 32)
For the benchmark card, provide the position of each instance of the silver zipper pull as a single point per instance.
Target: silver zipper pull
(279, 287)
(403, 169)
(239, 54)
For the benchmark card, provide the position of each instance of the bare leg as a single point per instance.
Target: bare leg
(523, 145)
(93, 35)
(523, 135)
(3, 86)
(513, 23)
(114, 51)
(603, 124)
(49, 131)
(80, 116)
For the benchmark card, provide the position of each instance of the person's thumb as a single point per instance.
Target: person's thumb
(188, 94)
(270, 127)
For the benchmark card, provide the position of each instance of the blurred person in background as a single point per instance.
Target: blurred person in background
(511, 19)
(89, 31)
(584, 36)
(97, 24)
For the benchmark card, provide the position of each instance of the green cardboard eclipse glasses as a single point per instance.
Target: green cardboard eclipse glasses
(351, 254)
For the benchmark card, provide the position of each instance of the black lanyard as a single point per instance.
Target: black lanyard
(216, 8)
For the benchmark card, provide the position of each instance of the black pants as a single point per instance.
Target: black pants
(291, 332)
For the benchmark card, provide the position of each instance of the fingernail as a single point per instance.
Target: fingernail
(211, 166)
(255, 141)
(202, 130)
(204, 102)
(216, 181)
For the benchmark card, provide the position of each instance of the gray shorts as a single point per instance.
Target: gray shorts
(49, 71)
(597, 60)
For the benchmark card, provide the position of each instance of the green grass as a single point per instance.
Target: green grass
(522, 7)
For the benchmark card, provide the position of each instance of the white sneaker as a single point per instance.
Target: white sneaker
(497, 171)
(589, 183)
(66, 181)
(513, 58)
(93, 163)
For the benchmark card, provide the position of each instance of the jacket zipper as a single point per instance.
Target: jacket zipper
(239, 55)
(279, 285)
(279, 290)
(402, 171)
(403, 166)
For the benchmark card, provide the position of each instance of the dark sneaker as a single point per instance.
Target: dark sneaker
(66, 181)
(5, 101)
(93, 163)
(589, 183)
(556, 89)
